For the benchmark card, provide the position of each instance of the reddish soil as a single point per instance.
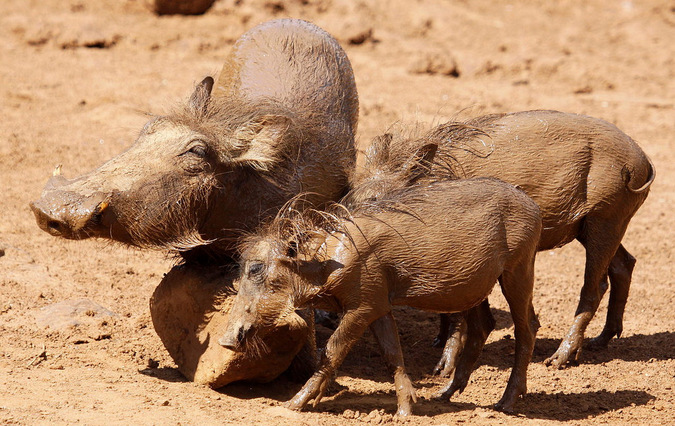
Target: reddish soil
(77, 78)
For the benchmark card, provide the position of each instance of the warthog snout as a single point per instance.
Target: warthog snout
(67, 214)
(234, 336)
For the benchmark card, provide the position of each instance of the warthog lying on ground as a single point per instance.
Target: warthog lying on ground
(439, 247)
(281, 121)
(587, 176)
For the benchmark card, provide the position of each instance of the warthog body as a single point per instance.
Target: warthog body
(587, 176)
(439, 247)
(219, 165)
(280, 121)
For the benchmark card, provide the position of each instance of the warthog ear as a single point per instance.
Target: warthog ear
(420, 163)
(378, 150)
(320, 270)
(262, 141)
(199, 100)
(313, 270)
(307, 243)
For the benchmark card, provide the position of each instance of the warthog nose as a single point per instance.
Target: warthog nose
(227, 343)
(54, 226)
(47, 222)
(66, 214)
(232, 341)
(241, 334)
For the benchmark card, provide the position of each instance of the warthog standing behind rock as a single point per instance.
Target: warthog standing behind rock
(588, 177)
(281, 121)
(439, 247)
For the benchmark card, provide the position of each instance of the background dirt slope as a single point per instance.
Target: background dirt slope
(76, 79)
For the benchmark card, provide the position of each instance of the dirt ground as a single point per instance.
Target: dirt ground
(77, 78)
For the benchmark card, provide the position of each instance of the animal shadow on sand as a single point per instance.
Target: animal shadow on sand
(386, 401)
(638, 347)
(168, 374)
(577, 406)
(365, 362)
(339, 398)
(550, 406)
(281, 389)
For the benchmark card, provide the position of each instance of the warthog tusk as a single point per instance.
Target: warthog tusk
(101, 207)
(57, 171)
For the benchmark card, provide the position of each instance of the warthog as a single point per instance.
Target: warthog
(588, 177)
(280, 121)
(439, 247)
(197, 178)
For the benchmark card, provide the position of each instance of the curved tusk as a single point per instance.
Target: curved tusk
(57, 171)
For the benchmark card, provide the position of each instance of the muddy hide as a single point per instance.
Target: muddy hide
(189, 311)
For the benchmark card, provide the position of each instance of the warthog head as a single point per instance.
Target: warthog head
(282, 267)
(206, 172)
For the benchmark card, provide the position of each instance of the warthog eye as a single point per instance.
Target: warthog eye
(199, 150)
(255, 268)
(292, 250)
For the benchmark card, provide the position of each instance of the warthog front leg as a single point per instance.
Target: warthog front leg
(339, 344)
(443, 331)
(517, 288)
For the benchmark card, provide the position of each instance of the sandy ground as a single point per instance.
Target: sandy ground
(76, 78)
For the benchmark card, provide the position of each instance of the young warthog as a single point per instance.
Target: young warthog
(587, 176)
(439, 247)
(220, 164)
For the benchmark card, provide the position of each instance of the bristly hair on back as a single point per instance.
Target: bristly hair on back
(470, 136)
(399, 160)
(453, 135)
(298, 231)
(395, 164)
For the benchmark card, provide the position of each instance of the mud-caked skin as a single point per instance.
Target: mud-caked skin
(587, 176)
(197, 178)
(439, 247)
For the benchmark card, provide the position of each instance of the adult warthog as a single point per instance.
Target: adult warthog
(216, 166)
(279, 120)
